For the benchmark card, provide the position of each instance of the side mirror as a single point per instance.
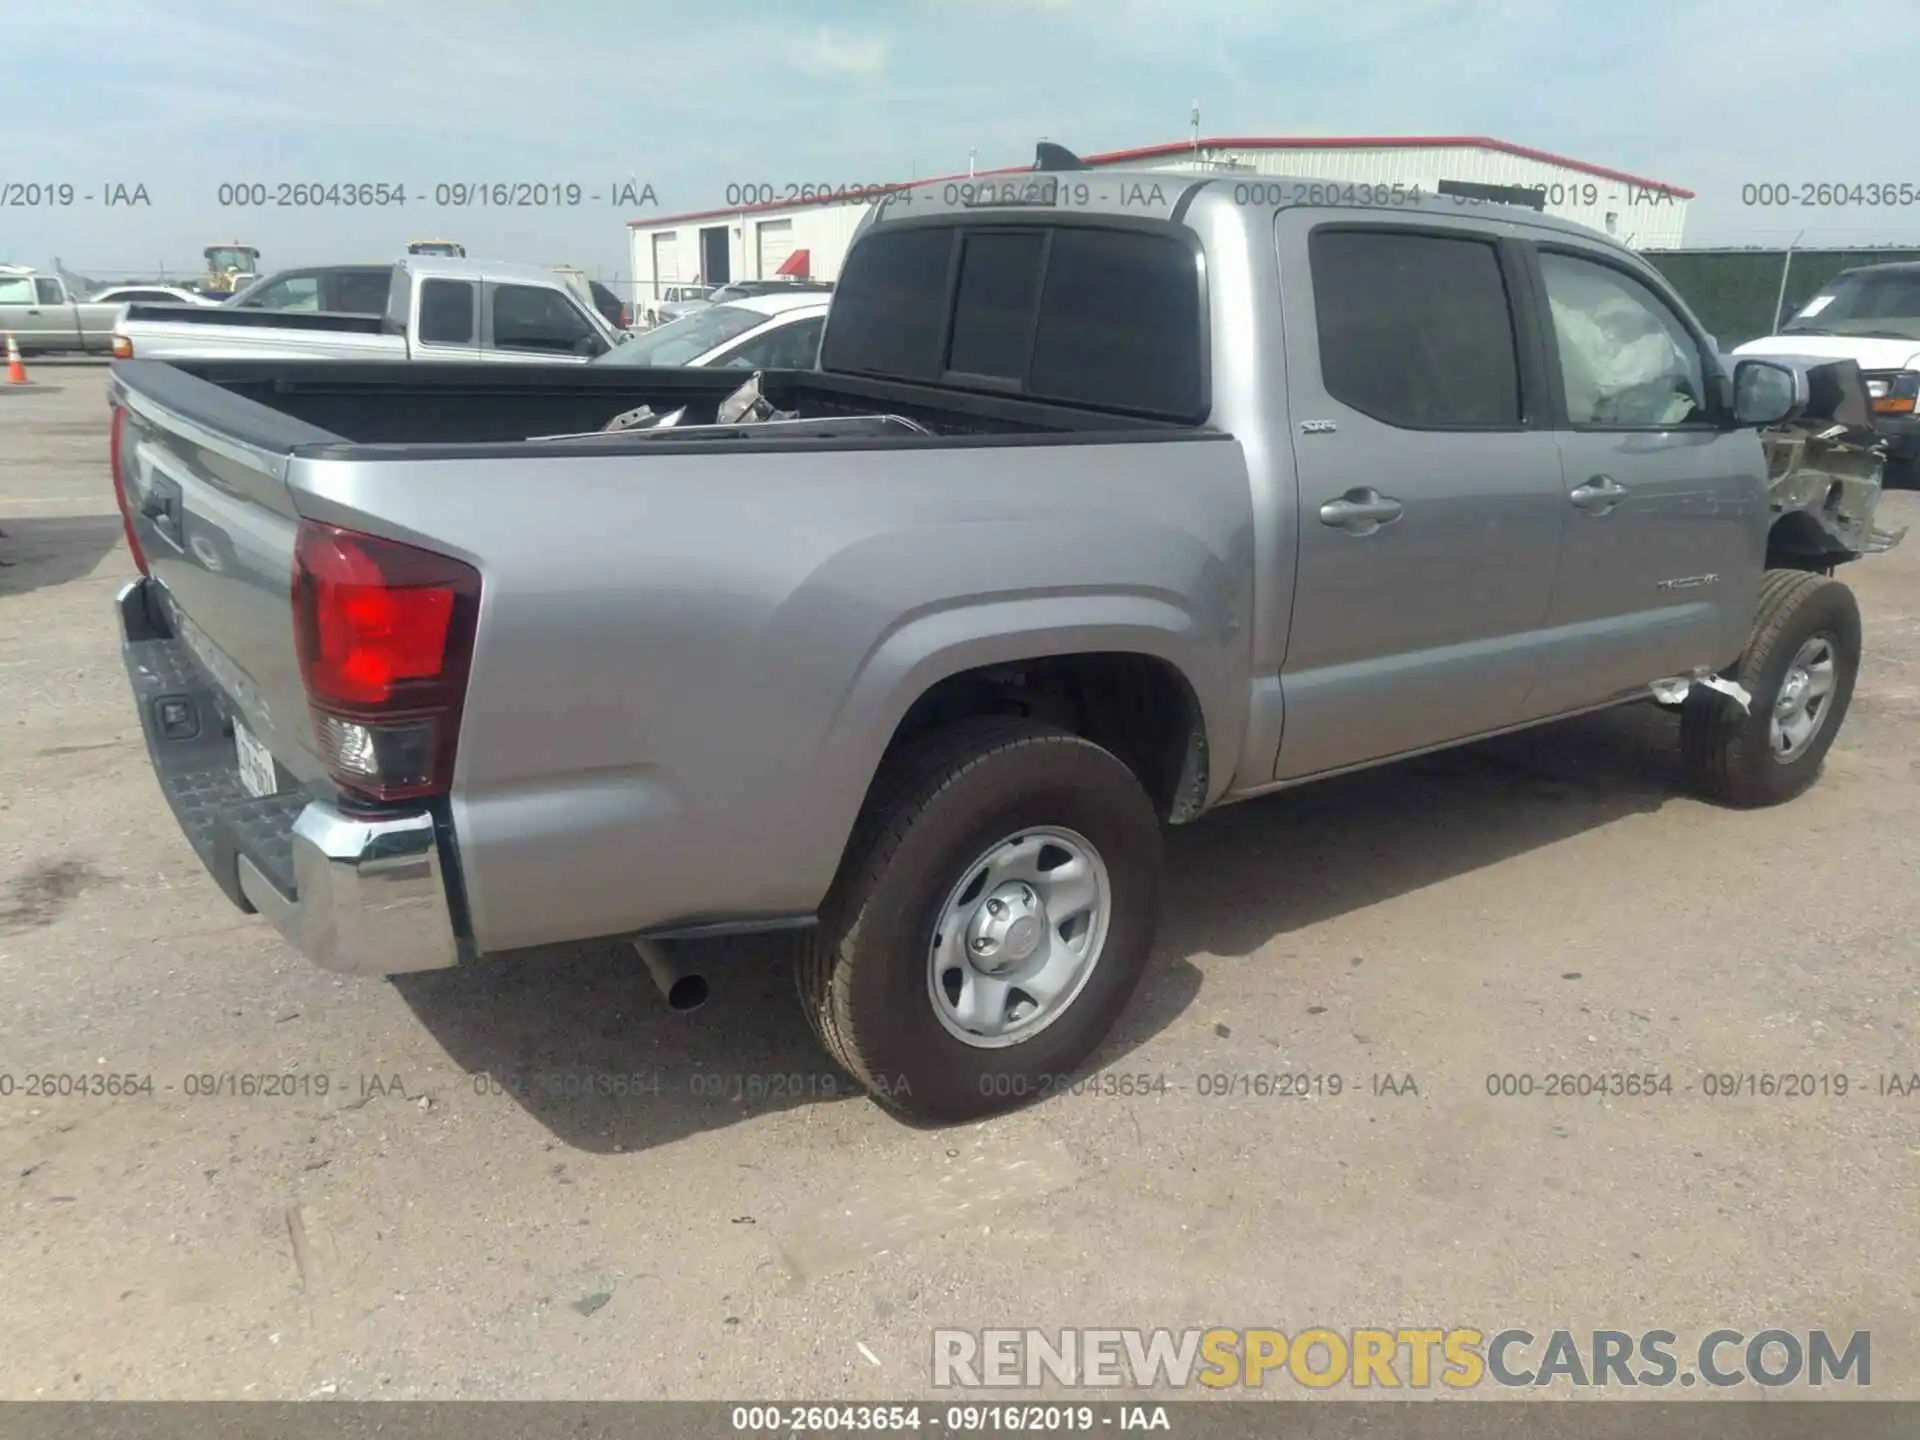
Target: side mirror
(1767, 393)
(590, 346)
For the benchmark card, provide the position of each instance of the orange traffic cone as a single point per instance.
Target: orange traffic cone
(16, 372)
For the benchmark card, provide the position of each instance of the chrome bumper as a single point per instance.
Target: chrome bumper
(370, 897)
(361, 895)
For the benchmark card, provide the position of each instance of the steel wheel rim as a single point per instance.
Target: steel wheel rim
(999, 977)
(1805, 700)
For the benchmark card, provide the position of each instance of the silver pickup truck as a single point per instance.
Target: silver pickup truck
(42, 315)
(1115, 498)
(437, 309)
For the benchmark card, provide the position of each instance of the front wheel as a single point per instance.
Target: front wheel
(1799, 668)
(991, 921)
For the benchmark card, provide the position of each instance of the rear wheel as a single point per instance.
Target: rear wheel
(991, 921)
(1799, 668)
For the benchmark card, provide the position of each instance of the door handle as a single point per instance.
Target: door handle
(1361, 511)
(1599, 495)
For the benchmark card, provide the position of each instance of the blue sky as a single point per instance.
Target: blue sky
(181, 97)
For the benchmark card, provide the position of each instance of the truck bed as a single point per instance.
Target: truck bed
(181, 314)
(455, 408)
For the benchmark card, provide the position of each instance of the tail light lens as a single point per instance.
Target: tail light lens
(122, 348)
(385, 636)
(116, 442)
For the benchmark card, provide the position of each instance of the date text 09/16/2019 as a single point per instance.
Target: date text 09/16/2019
(445, 194)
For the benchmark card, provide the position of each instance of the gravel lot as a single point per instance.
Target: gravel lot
(1550, 903)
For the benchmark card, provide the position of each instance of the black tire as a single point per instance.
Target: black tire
(864, 972)
(1728, 756)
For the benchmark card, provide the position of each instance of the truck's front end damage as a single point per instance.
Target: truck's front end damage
(1824, 472)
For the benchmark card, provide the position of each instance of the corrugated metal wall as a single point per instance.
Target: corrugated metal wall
(1642, 218)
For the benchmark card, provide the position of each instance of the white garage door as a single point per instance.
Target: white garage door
(776, 244)
(666, 261)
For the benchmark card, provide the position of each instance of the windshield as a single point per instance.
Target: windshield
(1886, 304)
(230, 259)
(687, 338)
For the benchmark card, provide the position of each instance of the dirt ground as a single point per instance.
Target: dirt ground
(435, 1226)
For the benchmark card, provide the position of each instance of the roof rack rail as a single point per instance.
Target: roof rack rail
(1048, 156)
(1497, 194)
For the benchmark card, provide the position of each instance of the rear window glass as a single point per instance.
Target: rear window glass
(1117, 324)
(993, 313)
(362, 293)
(1120, 323)
(888, 312)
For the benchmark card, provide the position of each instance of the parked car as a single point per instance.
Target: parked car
(747, 289)
(673, 302)
(42, 315)
(332, 289)
(436, 309)
(1870, 315)
(1229, 497)
(769, 332)
(148, 295)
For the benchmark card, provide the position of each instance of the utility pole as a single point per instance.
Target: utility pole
(1786, 268)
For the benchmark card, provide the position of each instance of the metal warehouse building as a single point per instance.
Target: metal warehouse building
(754, 241)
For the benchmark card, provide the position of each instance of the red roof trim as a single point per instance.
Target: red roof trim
(1267, 142)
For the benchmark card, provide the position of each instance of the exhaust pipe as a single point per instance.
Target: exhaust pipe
(684, 987)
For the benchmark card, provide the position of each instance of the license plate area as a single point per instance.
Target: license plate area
(259, 777)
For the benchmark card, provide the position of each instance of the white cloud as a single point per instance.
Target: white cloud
(826, 52)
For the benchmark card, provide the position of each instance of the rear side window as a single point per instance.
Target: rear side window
(1416, 330)
(888, 311)
(446, 312)
(1104, 318)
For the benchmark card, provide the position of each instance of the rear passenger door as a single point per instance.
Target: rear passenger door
(1429, 487)
(1665, 499)
(446, 320)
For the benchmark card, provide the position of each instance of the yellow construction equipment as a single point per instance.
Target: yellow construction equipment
(229, 267)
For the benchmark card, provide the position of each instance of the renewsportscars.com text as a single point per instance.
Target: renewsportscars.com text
(1402, 1358)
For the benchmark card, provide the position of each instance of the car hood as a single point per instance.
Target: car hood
(1868, 352)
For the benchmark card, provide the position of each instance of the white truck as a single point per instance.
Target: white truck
(1871, 316)
(438, 308)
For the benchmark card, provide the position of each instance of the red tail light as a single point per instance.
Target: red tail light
(115, 442)
(385, 635)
